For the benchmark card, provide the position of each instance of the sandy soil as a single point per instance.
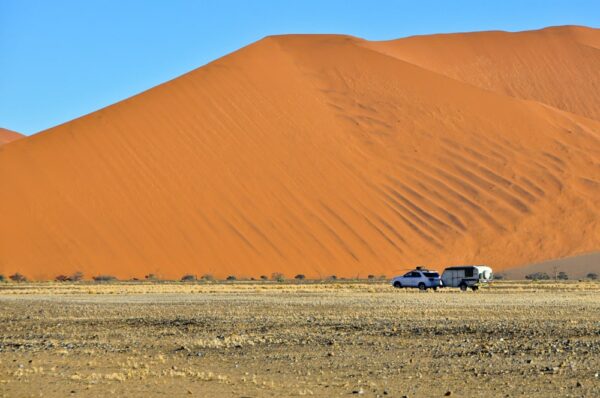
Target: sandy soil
(254, 340)
(320, 155)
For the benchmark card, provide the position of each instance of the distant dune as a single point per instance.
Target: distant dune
(576, 267)
(322, 155)
(7, 136)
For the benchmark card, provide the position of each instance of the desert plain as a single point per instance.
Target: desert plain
(255, 339)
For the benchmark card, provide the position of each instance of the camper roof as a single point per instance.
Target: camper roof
(462, 267)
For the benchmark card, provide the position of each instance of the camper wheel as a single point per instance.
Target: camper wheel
(463, 287)
(474, 288)
(422, 287)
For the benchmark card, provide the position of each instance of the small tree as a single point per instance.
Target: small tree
(370, 277)
(562, 276)
(231, 278)
(188, 278)
(208, 277)
(16, 277)
(277, 276)
(62, 278)
(592, 275)
(332, 277)
(300, 277)
(264, 278)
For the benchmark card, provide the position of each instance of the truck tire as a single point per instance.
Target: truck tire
(397, 284)
(463, 287)
(422, 287)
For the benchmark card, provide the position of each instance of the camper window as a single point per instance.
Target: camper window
(469, 272)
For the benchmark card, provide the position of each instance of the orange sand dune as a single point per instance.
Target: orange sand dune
(8, 136)
(556, 66)
(320, 155)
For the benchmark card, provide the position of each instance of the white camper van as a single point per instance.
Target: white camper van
(466, 276)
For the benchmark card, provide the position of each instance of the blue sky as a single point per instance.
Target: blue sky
(62, 59)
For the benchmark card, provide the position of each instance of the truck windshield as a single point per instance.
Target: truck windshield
(432, 274)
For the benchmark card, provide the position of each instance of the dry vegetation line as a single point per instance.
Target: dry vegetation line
(277, 339)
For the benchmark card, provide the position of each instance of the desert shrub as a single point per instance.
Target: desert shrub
(370, 277)
(208, 277)
(16, 277)
(76, 277)
(2, 279)
(277, 276)
(592, 275)
(188, 278)
(300, 277)
(382, 277)
(332, 277)
(231, 278)
(538, 276)
(562, 276)
(151, 277)
(104, 278)
(264, 278)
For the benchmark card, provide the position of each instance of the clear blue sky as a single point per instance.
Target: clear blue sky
(62, 59)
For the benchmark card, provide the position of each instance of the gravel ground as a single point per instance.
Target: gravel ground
(254, 340)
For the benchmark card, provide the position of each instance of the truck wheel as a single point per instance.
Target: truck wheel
(422, 287)
(435, 288)
(463, 287)
(397, 284)
(474, 288)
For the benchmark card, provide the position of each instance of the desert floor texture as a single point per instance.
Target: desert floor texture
(326, 339)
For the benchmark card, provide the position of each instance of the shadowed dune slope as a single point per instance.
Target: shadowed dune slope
(312, 154)
(576, 267)
(8, 136)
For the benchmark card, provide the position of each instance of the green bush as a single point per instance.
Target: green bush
(562, 276)
(277, 276)
(538, 276)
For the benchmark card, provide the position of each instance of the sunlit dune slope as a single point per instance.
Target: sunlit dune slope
(8, 136)
(557, 66)
(310, 154)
